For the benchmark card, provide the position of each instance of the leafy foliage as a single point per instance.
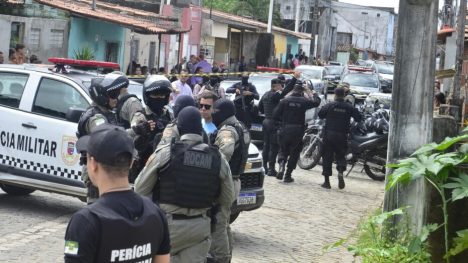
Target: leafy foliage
(374, 245)
(85, 53)
(255, 9)
(460, 243)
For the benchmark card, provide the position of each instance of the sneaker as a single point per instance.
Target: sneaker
(341, 183)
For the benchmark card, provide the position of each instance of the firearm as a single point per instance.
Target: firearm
(212, 214)
(241, 89)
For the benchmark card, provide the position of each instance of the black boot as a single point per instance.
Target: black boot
(280, 174)
(287, 176)
(272, 170)
(326, 184)
(265, 166)
(341, 183)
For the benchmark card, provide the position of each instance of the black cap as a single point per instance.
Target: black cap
(105, 143)
(276, 81)
(339, 92)
(282, 78)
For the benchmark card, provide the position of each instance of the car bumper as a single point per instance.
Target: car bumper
(259, 200)
(251, 194)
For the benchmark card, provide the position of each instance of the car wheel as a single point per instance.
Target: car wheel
(14, 190)
(233, 217)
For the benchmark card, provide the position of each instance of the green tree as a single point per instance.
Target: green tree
(255, 9)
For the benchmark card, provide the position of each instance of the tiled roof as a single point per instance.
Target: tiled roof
(252, 23)
(140, 21)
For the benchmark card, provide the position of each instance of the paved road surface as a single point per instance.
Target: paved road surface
(294, 224)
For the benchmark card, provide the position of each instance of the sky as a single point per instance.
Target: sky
(385, 3)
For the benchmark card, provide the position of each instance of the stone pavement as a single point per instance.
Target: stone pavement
(297, 220)
(294, 224)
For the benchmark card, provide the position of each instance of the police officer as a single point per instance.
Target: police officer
(120, 226)
(186, 178)
(156, 91)
(267, 104)
(337, 117)
(171, 130)
(104, 93)
(246, 93)
(232, 139)
(291, 113)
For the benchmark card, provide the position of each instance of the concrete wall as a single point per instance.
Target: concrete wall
(45, 25)
(96, 34)
(143, 56)
(281, 42)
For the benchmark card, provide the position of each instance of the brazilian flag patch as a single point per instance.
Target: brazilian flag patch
(71, 247)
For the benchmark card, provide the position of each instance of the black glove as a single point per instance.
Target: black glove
(83, 159)
(142, 129)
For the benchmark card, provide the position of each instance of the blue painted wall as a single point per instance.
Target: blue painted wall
(294, 42)
(95, 34)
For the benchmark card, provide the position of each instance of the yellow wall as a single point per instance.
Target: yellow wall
(280, 46)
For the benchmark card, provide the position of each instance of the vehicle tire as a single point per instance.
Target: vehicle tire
(311, 161)
(233, 217)
(14, 190)
(374, 172)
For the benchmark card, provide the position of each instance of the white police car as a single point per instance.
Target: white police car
(40, 110)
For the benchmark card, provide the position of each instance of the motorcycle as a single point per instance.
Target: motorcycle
(365, 146)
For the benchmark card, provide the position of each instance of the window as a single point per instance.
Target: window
(11, 88)
(16, 34)
(35, 38)
(54, 98)
(288, 8)
(56, 38)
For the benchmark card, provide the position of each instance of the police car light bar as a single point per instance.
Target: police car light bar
(84, 63)
(362, 69)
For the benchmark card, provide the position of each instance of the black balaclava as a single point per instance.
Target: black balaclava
(245, 80)
(182, 102)
(189, 121)
(157, 104)
(222, 109)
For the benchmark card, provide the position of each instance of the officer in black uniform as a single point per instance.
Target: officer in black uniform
(104, 93)
(337, 115)
(267, 104)
(156, 91)
(291, 113)
(246, 93)
(187, 177)
(120, 226)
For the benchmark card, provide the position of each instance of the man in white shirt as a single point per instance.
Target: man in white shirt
(180, 87)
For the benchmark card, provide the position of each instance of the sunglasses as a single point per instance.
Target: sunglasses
(205, 106)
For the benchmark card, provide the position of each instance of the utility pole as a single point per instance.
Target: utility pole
(270, 16)
(412, 100)
(461, 22)
(314, 19)
(298, 15)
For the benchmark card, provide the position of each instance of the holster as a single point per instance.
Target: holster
(212, 214)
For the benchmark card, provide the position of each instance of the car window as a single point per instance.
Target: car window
(385, 68)
(335, 70)
(136, 89)
(311, 73)
(54, 98)
(361, 80)
(11, 88)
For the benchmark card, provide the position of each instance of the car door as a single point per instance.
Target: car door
(53, 134)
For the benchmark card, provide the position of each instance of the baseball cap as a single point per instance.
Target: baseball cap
(105, 143)
(276, 81)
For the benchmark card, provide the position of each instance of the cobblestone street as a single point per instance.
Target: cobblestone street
(293, 225)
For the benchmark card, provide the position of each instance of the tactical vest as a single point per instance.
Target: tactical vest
(90, 112)
(268, 104)
(241, 151)
(191, 179)
(138, 239)
(120, 103)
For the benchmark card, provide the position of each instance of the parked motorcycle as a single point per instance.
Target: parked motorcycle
(366, 146)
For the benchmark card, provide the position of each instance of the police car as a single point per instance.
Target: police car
(40, 110)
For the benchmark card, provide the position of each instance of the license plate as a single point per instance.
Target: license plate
(247, 199)
(256, 128)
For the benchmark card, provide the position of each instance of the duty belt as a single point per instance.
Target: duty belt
(184, 217)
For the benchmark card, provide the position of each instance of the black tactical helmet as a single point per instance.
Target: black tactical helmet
(108, 87)
(156, 84)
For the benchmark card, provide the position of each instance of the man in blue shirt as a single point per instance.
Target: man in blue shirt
(205, 104)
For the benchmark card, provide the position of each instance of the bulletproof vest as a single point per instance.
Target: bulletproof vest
(241, 150)
(161, 121)
(338, 117)
(247, 99)
(269, 104)
(120, 103)
(136, 240)
(294, 110)
(191, 180)
(90, 112)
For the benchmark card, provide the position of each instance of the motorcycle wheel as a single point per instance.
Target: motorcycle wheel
(309, 161)
(375, 173)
